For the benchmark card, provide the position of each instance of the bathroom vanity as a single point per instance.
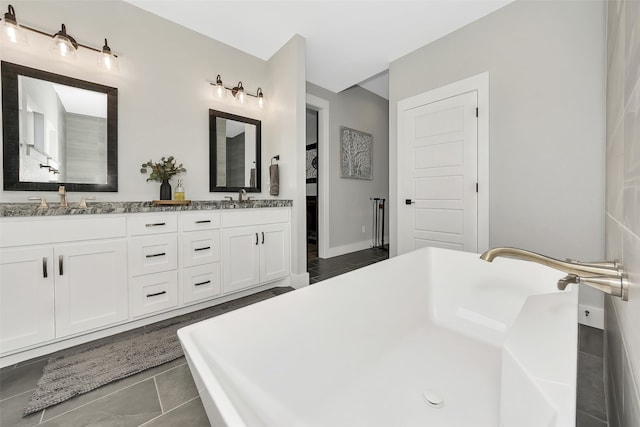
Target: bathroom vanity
(69, 276)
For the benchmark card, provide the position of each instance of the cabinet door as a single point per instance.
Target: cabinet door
(91, 286)
(241, 258)
(26, 297)
(274, 252)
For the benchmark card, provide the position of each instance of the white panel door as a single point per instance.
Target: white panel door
(91, 286)
(240, 258)
(274, 252)
(26, 297)
(440, 204)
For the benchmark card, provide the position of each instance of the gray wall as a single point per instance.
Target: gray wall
(546, 69)
(349, 204)
(622, 340)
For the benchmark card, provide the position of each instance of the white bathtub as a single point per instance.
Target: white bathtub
(497, 342)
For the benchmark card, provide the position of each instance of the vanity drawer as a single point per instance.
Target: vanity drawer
(200, 247)
(153, 254)
(200, 220)
(144, 224)
(46, 230)
(153, 293)
(201, 282)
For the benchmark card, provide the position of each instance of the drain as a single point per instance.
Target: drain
(433, 398)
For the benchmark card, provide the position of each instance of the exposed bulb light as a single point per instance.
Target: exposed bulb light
(260, 97)
(106, 58)
(218, 88)
(11, 31)
(63, 44)
(238, 92)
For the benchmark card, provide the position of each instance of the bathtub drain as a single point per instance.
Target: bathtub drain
(433, 398)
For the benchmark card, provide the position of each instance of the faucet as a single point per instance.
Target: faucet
(606, 276)
(63, 196)
(240, 193)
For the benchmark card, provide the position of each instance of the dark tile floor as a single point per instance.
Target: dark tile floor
(591, 407)
(320, 269)
(166, 395)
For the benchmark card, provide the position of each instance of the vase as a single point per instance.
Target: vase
(165, 190)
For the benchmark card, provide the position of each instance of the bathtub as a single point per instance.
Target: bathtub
(430, 338)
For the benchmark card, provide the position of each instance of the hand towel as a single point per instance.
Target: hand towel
(274, 183)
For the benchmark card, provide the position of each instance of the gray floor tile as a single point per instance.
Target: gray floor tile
(585, 420)
(175, 387)
(126, 408)
(11, 411)
(591, 340)
(590, 393)
(191, 414)
(20, 379)
(83, 399)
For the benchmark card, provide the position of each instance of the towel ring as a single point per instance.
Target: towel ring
(276, 157)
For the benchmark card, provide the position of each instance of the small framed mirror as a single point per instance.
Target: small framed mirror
(57, 130)
(234, 153)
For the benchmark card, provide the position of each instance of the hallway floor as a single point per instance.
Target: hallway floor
(320, 269)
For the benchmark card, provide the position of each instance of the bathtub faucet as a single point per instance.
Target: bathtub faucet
(606, 276)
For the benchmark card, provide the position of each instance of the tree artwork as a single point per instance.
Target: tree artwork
(356, 155)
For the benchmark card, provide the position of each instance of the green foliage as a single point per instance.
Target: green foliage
(165, 169)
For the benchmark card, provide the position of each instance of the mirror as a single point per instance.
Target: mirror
(58, 130)
(234, 153)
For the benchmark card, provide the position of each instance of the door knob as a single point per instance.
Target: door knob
(409, 202)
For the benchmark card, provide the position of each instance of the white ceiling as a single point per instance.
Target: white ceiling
(348, 42)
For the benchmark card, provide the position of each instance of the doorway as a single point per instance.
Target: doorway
(443, 185)
(312, 183)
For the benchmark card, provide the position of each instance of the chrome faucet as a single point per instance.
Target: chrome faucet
(606, 276)
(241, 193)
(63, 196)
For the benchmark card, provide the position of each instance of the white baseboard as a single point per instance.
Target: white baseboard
(298, 281)
(591, 316)
(347, 249)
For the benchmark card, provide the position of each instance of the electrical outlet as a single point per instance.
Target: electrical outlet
(363, 229)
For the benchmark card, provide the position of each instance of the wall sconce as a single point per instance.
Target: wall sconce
(62, 43)
(238, 92)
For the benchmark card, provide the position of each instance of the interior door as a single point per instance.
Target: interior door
(439, 182)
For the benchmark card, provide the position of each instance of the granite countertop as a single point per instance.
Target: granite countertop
(32, 209)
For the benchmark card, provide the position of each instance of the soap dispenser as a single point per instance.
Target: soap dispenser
(179, 193)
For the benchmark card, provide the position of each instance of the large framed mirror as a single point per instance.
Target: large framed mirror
(57, 130)
(234, 153)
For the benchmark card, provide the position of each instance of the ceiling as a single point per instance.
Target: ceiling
(348, 42)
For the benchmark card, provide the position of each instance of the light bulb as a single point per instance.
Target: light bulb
(106, 59)
(63, 44)
(218, 88)
(239, 92)
(11, 30)
(260, 97)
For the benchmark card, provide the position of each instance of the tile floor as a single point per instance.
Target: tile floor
(320, 269)
(166, 395)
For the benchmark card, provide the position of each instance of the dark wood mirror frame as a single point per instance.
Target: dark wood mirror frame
(11, 130)
(213, 187)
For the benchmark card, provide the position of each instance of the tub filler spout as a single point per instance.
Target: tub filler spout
(606, 276)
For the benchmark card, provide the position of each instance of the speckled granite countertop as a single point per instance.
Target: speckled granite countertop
(32, 209)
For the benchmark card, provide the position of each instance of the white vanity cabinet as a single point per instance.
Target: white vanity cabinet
(254, 254)
(26, 297)
(60, 277)
(68, 279)
(200, 236)
(153, 262)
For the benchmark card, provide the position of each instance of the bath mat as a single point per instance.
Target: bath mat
(83, 368)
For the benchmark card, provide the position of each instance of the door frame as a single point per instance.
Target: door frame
(322, 107)
(479, 83)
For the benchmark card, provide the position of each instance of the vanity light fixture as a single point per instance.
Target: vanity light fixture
(62, 43)
(106, 59)
(10, 28)
(238, 92)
